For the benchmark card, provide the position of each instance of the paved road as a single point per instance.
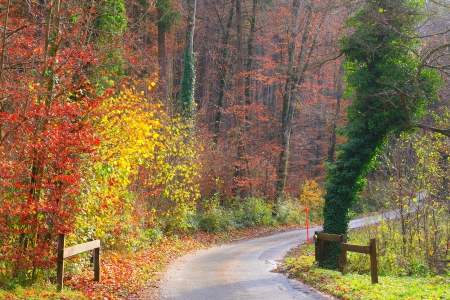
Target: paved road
(236, 271)
(242, 270)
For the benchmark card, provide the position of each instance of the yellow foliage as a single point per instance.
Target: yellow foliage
(175, 176)
(146, 167)
(312, 196)
(129, 131)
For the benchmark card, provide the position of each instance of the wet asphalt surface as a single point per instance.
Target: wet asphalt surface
(242, 270)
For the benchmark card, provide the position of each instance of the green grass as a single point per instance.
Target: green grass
(40, 291)
(300, 263)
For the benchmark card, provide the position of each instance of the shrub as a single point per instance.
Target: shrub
(398, 254)
(216, 219)
(290, 211)
(312, 196)
(213, 218)
(252, 212)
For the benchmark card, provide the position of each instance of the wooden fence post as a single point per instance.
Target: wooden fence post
(320, 252)
(373, 261)
(60, 271)
(316, 254)
(97, 264)
(344, 261)
(344, 247)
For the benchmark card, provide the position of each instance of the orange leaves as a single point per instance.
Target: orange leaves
(124, 274)
(312, 197)
(312, 193)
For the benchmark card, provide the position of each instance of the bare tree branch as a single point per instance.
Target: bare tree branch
(445, 132)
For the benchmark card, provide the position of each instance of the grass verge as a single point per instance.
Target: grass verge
(300, 264)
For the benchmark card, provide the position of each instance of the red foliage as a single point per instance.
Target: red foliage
(46, 99)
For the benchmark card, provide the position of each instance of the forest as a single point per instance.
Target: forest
(133, 121)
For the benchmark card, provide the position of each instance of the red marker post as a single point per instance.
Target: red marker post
(306, 209)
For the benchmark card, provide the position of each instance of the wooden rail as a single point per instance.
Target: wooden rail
(320, 237)
(74, 250)
(371, 250)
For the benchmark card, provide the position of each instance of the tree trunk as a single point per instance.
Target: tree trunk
(240, 174)
(223, 57)
(248, 66)
(288, 109)
(2, 57)
(2, 54)
(187, 106)
(162, 56)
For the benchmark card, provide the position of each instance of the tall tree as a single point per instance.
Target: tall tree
(250, 53)
(2, 54)
(298, 64)
(222, 65)
(390, 91)
(187, 105)
(240, 171)
(167, 17)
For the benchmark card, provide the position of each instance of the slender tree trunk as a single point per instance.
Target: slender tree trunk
(187, 106)
(162, 56)
(248, 67)
(296, 75)
(288, 105)
(286, 128)
(2, 54)
(223, 57)
(240, 175)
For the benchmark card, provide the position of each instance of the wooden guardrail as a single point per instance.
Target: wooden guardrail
(74, 250)
(320, 237)
(371, 250)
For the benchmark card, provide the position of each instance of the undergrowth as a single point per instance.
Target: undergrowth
(396, 280)
(239, 214)
(300, 264)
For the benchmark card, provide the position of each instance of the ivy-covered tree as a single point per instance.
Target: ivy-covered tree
(390, 88)
(187, 106)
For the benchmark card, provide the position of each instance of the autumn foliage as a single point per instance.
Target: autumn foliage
(77, 156)
(93, 145)
(44, 131)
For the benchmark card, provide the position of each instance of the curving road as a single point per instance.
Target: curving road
(242, 270)
(236, 271)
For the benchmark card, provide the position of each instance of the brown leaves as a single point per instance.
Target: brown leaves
(122, 274)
